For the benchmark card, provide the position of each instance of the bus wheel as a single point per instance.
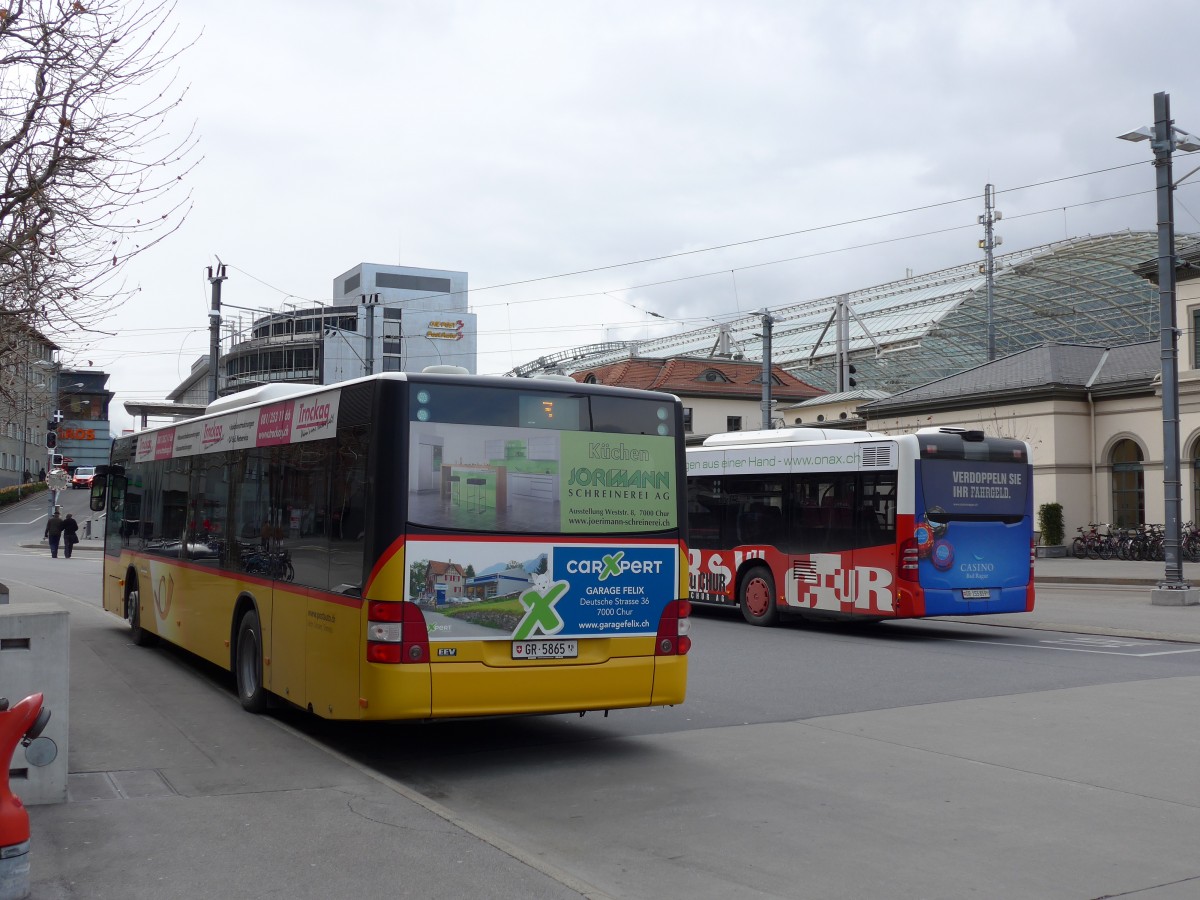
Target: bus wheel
(757, 597)
(133, 614)
(248, 664)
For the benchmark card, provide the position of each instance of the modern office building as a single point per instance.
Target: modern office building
(84, 436)
(382, 319)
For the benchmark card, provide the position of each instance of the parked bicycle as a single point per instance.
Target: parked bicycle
(1141, 542)
(1094, 544)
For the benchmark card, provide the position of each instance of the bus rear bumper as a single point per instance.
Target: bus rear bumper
(952, 602)
(468, 689)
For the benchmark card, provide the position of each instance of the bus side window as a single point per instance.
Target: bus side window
(877, 514)
(348, 511)
(839, 502)
(704, 513)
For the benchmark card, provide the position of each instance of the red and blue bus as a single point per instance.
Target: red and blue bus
(841, 524)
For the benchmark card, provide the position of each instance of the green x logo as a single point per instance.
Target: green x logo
(612, 565)
(540, 613)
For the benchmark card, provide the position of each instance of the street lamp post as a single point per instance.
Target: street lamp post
(767, 322)
(1173, 590)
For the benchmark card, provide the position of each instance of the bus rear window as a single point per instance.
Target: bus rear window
(541, 461)
(966, 488)
(468, 404)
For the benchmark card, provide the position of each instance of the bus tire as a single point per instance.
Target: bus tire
(756, 597)
(133, 614)
(248, 666)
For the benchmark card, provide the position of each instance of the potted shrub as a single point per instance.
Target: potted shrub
(1050, 523)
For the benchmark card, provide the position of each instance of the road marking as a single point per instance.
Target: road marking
(33, 522)
(1049, 645)
(1108, 643)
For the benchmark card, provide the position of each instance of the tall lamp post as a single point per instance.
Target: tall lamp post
(1164, 138)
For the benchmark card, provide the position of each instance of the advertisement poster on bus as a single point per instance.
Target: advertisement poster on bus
(487, 478)
(524, 590)
(972, 523)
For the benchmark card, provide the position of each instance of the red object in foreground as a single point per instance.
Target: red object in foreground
(15, 723)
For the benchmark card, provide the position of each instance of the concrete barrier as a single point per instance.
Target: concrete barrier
(34, 656)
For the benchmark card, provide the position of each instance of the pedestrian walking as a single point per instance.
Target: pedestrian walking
(70, 534)
(54, 529)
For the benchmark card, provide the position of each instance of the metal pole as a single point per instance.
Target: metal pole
(843, 343)
(989, 204)
(767, 322)
(24, 432)
(1163, 145)
(214, 329)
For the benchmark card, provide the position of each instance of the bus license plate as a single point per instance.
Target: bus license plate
(976, 593)
(545, 649)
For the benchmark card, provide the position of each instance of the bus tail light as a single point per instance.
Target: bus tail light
(1029, 591)
(910, 559)
(673, 629)
(396, 633)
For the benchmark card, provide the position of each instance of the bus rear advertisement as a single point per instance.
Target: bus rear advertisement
(861, 525)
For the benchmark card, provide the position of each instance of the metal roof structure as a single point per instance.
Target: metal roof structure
(1083, 290)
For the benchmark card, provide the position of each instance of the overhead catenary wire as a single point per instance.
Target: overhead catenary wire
(510, 302)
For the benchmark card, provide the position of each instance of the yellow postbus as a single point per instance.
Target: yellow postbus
(412, 545)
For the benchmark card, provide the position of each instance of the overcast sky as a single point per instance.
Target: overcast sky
(521, 140)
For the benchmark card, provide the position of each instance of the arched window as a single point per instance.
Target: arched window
(1128, 485)
(1196, 481)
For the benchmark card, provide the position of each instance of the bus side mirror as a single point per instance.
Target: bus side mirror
(100, 484)
(99, 494)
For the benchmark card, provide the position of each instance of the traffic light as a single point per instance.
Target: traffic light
(51, 439)
(56, 460)
(851, 381)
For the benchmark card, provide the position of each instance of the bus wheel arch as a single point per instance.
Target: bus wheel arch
(133, 611)
(246, 655)
(756, 595)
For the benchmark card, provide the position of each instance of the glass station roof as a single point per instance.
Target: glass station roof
(1082, 290)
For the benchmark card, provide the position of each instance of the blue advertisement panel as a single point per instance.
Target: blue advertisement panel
(973, 529)
(523, 590)
(616, 590)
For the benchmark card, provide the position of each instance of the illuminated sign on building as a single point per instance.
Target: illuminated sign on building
(441, 330)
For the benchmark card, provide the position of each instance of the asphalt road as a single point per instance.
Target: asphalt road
(922, 759)
(910, 759)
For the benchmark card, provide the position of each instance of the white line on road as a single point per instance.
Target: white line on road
(1047, 646)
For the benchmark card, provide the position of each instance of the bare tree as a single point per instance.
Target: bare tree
(89, 174)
